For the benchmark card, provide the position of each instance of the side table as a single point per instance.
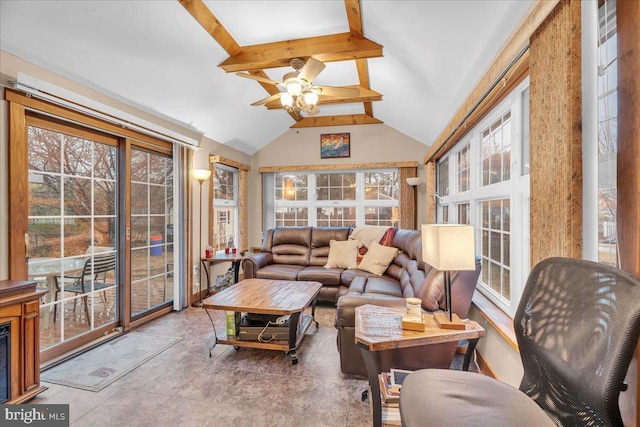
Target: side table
(380, 328)
(219, 257)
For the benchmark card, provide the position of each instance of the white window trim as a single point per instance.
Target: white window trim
(225, 203)
(516, 189)
(312, 205)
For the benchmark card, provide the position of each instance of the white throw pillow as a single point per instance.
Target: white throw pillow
(367, 234)
(378, 258)
(343, 254)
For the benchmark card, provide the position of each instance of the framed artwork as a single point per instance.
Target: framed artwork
(333, 145)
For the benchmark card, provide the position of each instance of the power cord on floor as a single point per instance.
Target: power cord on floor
(215, 334)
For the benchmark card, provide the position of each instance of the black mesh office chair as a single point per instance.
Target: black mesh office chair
(577, 326)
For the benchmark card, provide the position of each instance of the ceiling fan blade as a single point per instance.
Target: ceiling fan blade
(342, 92)
(311, 69)
(260, 79)
(267, 100)
(315, 110)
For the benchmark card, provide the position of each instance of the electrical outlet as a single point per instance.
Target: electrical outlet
(196, 270)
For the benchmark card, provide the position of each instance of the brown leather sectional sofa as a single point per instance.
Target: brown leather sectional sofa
(300, 253)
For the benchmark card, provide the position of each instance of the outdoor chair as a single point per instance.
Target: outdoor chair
(95, 270)
(577, 327)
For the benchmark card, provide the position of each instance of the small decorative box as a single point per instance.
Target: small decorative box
(413, 323)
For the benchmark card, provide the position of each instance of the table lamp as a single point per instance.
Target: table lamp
(448, 247)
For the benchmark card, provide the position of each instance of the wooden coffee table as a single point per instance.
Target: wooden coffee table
(264, 296)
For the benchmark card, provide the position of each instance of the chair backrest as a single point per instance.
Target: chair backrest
(577, 326)
(97, 267)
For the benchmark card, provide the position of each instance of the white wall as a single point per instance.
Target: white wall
(369, 144)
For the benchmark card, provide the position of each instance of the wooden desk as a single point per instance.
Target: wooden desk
(379, 328)
(279, 297)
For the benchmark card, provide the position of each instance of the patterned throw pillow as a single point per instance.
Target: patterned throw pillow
(386, 240)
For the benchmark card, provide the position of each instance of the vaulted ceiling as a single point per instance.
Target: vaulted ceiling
(413, 61)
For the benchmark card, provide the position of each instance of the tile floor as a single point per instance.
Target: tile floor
(182, 386)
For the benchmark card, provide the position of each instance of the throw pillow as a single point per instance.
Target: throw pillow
(367, 234)
(342, 254)
(378, 258)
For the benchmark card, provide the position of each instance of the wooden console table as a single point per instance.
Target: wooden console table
(380, 328)
(20, 307)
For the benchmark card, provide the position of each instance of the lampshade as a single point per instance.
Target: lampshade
(448, 247)
(413, 181)
(201, 174)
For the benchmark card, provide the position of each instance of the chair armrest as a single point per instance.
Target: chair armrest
(346, 310)
(254, 262)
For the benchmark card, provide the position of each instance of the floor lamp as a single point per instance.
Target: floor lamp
(448, 247)
(201, 175)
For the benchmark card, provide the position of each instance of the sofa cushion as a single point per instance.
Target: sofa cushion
(431, 290)
(326, 276)
(320, 238)
(350, 274)
(279, 272)
(290, 245)
(378, 258)
(343, 254)
(383, 285)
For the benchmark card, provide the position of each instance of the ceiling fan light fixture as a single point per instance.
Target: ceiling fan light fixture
(310, 98)
(286, 100)
(294, 87)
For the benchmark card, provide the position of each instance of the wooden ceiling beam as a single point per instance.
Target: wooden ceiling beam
(366, 95)
(210, 23)
(354, 17)
(330, 48)
(363, 76)
(345, 120)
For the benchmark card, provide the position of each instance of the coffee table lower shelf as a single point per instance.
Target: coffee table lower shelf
(282, 345)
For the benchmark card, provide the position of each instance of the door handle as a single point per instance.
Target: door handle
(128, 234)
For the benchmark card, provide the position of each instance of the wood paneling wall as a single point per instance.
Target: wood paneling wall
(407, 199)
(628, 179)
(556, 135)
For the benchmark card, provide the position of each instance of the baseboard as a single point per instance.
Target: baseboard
(484, 366)
(481, 362)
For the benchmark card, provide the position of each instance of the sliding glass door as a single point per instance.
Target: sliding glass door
(100, 231)
(73, 229)
(152, 212)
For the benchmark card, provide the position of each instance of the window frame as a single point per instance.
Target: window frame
(231, 204)
(312, 204)
(516, 189)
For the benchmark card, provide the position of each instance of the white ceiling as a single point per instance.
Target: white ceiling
(155, 56)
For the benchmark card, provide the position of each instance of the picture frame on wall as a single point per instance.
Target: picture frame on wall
(335, 145)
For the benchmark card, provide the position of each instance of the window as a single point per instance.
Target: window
(225, 206)
(336, 199)
(494, 247)
(496, 151)
(484, 181)
(607, 133)
(463, 169)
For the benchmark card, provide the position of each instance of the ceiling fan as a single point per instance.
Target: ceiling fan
(300, 94)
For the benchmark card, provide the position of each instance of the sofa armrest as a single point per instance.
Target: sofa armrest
(254, 262)
(346, 310)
